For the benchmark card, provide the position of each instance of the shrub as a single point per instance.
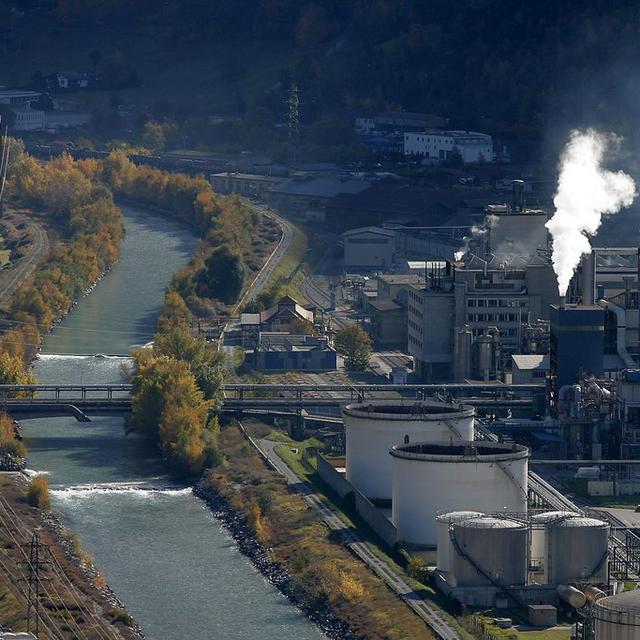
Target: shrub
(38, 493)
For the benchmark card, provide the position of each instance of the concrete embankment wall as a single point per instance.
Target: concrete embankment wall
(378, 522)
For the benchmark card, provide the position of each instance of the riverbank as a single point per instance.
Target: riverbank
(294, 549)
(75, 600)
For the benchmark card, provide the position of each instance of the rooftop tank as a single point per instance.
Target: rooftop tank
(577, 551)
(373, 428)
(488, 551)
(443, 538)
(430, 478)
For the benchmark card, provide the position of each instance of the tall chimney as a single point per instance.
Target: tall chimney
(517, 196)
(588, 278)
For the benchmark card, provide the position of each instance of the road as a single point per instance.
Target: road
(431, 615)
(263, 276)
(24, 265)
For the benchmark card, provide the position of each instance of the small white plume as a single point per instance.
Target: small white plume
(476, 232)
(585, 192)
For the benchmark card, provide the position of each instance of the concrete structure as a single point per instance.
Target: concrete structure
(373, 428)
(395, 286)
(487, 297)
(435, 146)
(529, 368)
(367, 124)
(577, 551)
(618, 617)
(388, 324)
(516, 231)
(287, 352)
(429, 478)
(444, 523)
(253, 185)
(488, 551)
(542, 615)
(368, 248)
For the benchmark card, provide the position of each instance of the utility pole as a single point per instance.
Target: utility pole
(34, 579)
(294, 120)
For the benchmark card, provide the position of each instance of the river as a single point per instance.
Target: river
(163, 553)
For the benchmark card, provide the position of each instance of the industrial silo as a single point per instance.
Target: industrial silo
(436, 477)
(373, 428)
(618, 617)
(538, 553)
(488, 551)
(443, 538)
(577, 551)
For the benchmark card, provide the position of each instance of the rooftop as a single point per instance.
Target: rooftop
(533, 361)
(319, 187)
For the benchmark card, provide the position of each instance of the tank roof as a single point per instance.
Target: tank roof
(579, 521)
(490, 523)
(452, 516)
(628, 601)
(552, 516)
(479, 450)
(395, 410)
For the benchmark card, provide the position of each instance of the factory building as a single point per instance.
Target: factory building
(576, 343)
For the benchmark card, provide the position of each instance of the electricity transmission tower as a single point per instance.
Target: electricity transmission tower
(294, 120)
(34, 579)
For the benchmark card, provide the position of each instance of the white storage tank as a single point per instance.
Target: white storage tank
(577, 551)
(373, 428)
(618, 617)
(443, 538)
(435, 477)
(538, 543)
(488, 551)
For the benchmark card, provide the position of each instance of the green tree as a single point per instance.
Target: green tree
(222, 276)
(354, 344)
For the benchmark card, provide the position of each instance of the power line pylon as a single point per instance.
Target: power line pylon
(294, 120)
(34, 579)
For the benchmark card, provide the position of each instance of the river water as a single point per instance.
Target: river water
(162, 551)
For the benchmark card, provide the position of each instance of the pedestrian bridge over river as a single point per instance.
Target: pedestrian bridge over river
(84, 400)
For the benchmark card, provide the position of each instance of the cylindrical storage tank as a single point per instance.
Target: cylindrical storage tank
(443, 522)
(373, 428)
(486, 551)
(538, 542)
(571, 595)
(431, 478)
(577, 551)
(618, 617)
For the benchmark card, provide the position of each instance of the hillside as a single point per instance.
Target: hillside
(520, 73)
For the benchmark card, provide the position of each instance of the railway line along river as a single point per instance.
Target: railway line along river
(163, 553)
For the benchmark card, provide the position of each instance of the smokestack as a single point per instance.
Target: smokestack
(517, 196)
(588, 278)
(562, 301)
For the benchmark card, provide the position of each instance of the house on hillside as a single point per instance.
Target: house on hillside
(70, 80)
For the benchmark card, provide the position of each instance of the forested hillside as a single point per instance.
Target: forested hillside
(495, 65)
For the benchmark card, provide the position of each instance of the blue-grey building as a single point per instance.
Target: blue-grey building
(277, 351)
(577, 343)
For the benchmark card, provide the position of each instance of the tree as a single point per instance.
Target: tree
(301, 327)
(354, 344)
(222, 276)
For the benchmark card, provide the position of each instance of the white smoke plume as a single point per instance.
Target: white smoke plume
(476, 232)
(586, 191)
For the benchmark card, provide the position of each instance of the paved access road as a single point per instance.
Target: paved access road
(263, 276)
(24, 266)
(431, 615)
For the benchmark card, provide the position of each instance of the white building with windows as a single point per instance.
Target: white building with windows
(28, 119)
(435, 146)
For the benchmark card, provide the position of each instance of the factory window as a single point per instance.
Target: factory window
(539, 374)
(493, 303)
(482, 303)
(471, 303)
(512, 317)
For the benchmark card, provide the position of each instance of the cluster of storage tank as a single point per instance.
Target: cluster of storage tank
(422, 458)
(552, 548)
